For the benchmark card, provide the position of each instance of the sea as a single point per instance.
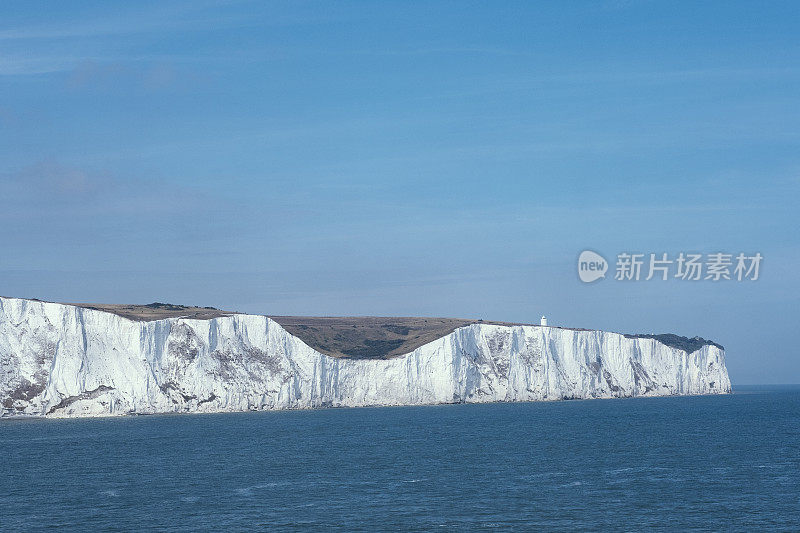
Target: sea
(703, 463)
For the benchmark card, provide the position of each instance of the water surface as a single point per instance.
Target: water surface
(712, 462)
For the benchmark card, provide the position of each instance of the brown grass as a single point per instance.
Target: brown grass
(156, 311)
(368, 337)
(345, 337)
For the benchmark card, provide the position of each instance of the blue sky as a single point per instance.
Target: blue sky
(441, 158)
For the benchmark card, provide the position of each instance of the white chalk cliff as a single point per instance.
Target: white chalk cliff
(66, 361)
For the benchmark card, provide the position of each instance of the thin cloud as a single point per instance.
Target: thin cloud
(50, 188)
(49, 183)
(166, 17)
(189, 16)
(26, 66)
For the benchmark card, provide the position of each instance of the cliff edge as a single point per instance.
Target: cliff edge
(69, 360)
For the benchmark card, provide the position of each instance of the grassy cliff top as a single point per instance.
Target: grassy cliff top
(356, 337)
(156, 311)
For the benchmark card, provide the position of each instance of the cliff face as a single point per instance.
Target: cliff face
(61, 360)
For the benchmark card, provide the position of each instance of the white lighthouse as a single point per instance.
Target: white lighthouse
(544, 321)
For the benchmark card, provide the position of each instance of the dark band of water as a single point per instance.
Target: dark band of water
(715, 462)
